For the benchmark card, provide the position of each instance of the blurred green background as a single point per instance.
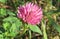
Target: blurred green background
(10, 25)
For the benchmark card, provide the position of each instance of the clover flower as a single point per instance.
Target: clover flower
(30, 13)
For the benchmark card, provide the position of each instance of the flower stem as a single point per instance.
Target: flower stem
(44, 31)
(29, 34)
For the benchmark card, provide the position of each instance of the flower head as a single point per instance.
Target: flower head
(30, 13)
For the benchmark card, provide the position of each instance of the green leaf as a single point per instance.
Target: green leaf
(1, 36)
(35, 28)
(54, 24)
(15, 23)
(7, 38)
(3, 1)
(11, 13)
(6, 25)
(2, 12)
(14, 30)
(11, 19)
(0, 31)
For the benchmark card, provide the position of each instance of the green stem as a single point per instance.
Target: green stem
(44, 31)
(29, 34)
